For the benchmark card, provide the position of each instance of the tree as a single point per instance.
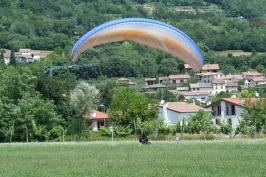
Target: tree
(83, 99)
(255, 114)
(23, 108)
(220, 95)
(168, 66)
(13, 60)
(2, 54)
(200, 122)
(129, 105)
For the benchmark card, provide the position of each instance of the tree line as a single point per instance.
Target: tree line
(48, 24)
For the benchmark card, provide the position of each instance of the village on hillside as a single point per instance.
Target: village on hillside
(211, 82)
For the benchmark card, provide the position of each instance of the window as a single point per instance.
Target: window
(233, 109)
(219, 110)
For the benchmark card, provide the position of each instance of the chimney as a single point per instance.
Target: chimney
(233, 95)
(193, 101)
(241, 101)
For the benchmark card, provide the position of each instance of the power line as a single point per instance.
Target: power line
(51, 68)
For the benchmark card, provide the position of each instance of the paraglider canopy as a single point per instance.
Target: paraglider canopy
(152, 33)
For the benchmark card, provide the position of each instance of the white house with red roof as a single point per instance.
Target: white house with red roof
(174, 112)
(27, 55)
(261, 85)
(202, 97)
(207, 77)
(98, 119)
(178, 79)
(228, 109)
(250, 75)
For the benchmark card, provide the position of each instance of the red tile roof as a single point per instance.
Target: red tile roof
(210, 67)
(99, 115)
(179, 77)
(194, 93)
(237, 101)
(255, 73)
(184, 107)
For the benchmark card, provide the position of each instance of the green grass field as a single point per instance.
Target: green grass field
(127, 158)
(234, 52)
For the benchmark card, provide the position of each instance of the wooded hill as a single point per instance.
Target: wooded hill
(215, 26)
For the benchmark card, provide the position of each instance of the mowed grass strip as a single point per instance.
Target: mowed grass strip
(127, 158)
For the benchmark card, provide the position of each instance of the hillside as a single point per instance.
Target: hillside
(214, 25)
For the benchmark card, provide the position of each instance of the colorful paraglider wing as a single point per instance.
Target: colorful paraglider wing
(144, 31)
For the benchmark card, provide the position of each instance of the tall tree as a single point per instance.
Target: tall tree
(84, 98)
(129, 105)
(2, 55)
(13, 60)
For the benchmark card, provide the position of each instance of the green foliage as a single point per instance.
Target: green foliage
(56, 132)
(254, 115)
(220, 95)
(13, 60)
(105, 131)
(225, 127)
(200, 122)
(165, 95)
(123, 131)
(2, 54)
(83, 100)
(242, 127)
(128, 105)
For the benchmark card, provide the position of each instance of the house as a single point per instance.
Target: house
(261, 85)
(179, 79)
(161, 79)
(155, 87)
(228, 109)
(215, 87)
(218, 86)
(230, 77)
(7, 56)
(22, 58)
(209, 76)
(231, 86)
(174, 112)
(205, 68)
(201, 87)
(202, 97)
(27, 55)
(187, 68)
(182, 89)
(210, 68)
(255, 81)
(250, 75)
(24, 51)
(96, 119)
(150, 81)
(125, 80)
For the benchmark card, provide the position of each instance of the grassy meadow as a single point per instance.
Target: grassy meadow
(241, 158)
(235, 52)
